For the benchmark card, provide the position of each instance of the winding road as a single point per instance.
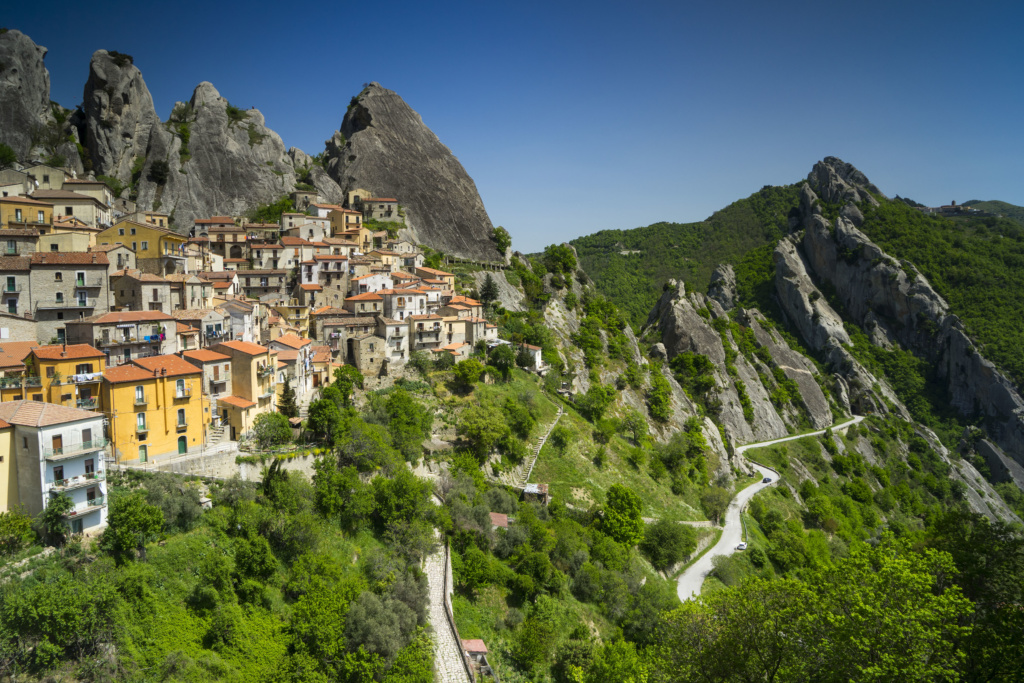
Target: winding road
(690, 581)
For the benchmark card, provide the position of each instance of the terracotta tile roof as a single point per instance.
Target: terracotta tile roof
(327, 310)
(281, 364)
(248, 348)
(475, 644)
(74, 351)
(75, 258)
(499, 519)
(292, 340)
(265, 246)
(186, 329)
(221, 285)
(13, 354)
(205, 356)
(261, 272)
(428, 316)
(191, 313)
(236, 260)
(12, 263)
(402, 275)
(174, 365)
(127, 317)
(290, 241)
(363, 277)
(380, 199)
(236, 401)
(127, 373)
(368, 296)
(110, 247)
(321, 354)
(465, 300)
(531, 347)
(311, 288)
(349, 322)
(455, 346)
(286, 355)
(5, 425)
(20, 232)
(435, 271)
(39, 414)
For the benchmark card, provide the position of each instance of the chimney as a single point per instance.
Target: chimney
(155, 372)
(94, 258)
(163, 371)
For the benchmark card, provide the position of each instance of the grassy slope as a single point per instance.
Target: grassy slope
(689, 251)
(1011, 211)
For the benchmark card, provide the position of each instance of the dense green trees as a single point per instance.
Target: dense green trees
(286, 405)
(271, 429)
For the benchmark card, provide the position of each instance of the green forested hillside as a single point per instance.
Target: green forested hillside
(630, 266)
(1011, 211)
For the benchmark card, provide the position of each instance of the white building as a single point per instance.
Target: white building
(58, 451)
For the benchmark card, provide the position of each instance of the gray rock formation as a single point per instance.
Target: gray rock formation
(24, 92)
(233, 162)
(318, 177)
(387, 150)
(723, 286)
(839, 182)
(119, 115)
(803, 302)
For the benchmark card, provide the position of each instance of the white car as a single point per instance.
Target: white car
(741, 546)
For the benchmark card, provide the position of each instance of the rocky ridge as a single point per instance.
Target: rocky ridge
(24, 91)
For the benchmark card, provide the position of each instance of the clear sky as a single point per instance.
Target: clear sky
(574, 117)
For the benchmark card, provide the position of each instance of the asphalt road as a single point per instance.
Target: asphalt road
(690, 581)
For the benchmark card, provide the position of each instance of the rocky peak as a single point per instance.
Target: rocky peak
(119, 115)
(24, 91)
(385, 148)
(838, 182)
(723, 286)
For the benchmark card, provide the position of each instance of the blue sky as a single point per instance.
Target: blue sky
(574, 117)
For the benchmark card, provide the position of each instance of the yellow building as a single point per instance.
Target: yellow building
(68, 375)
(253, 385)
(157, 250)
(8, 468)
(22, 212)
(157, 408)
(12, 370)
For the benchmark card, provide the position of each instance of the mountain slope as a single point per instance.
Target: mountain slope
(630, 266)
(1011, 211)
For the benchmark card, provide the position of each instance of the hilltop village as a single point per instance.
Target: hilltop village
(124, 342)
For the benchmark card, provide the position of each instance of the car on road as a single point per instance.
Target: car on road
(741, 546)
(766, 480)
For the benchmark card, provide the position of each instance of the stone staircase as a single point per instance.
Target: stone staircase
(215, 435)
(520, 475)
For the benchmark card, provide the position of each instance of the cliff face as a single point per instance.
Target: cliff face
(24, 91)
(385, 148)
(895, 304)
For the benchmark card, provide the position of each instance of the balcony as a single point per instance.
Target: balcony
(74, 449)
(10, 251)
(87, 403)
(183, 393)
(141, 429)
(61, 485)
(141, 400)
(85, 378)
(265, 372)
(86, 507)
(88, 282)
(10, 382)
(12, 289)
(33, 382)
(68, 303)
(268, 394)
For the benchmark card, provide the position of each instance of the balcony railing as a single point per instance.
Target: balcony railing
(10, 251)
(85, 378)
(67, 303)
(87, 506)
(182, 426)
(265, 372)
(11, 289)
(88, 282)
(78, 482)
(87, 403)
(33, 381)
(141, 429)
(74, 449)
(141, 400)
(183, 393)
(10, 382)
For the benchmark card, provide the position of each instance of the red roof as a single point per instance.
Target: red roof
(173, 365)
(236, 401)
(247, 348)
(499, 519)
(290, 241)
(70, 258)
(128, 317)
(380, 199)
(292, 340)
(61, 352)
(206, 355)
(368, 296)
(128, 373)
(474, 645)
(12, 354)
(311, 288)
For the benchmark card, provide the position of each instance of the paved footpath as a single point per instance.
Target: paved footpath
(690, 581)
(448, 666)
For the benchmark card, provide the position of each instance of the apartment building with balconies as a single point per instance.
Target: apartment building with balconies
(139, 291)
(54, 451)
(124, 336)
(253, 385)
(67, 287)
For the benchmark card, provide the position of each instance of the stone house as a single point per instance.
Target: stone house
(302, 199)
(395, 334)
(364, 304)
(67, 204)
(67, 286)
(256, 284)
(369, 354)
(425, 332)
(229, 242)
(97, 189)
(19, 241)
(120, 256)
(292, 219)
(213, 324)
(343, 220)
(137, 291)
(381, 209)
(296, 250)
(125, 336)
(267, 256)
(262, 232)
(15, 286)
(17, 327)
(189, 291)
(313, 230)
(402, 303)
(14, 183)
(202, 226)
(435, 274)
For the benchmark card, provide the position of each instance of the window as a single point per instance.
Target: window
(86, 435)
(17, 215)
(140, 394)
(58, 473)
(54, 247)
(46, 178)
(135, 246)
(181, 417)
(145, 246)
(69, 210)
(140, 421)
(83, 368)
(40, 217)
(80, 279)
(90, 466)
(120, 231)
(179, 387)
(60, 316)
(132, 231)
(49, 371)
(58, 276)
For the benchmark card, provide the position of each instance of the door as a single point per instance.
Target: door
(182, 445)
(76, 526)
(58, 444)
(143, 454)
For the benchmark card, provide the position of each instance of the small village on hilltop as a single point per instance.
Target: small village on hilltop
(130, 344)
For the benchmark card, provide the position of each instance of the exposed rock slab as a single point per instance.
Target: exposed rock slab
(24, 91)
(388, 150)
